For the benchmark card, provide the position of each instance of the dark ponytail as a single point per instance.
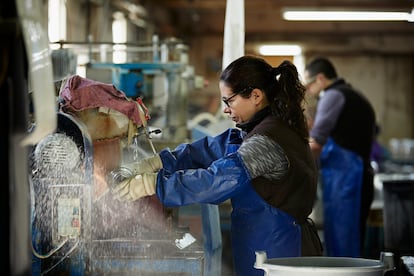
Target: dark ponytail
(289, 98)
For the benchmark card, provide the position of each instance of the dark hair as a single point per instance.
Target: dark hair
(321, 65)
(281, 85)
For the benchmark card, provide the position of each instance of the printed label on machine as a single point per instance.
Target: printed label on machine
(69, 218)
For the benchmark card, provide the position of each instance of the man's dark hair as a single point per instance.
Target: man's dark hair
(321, 65)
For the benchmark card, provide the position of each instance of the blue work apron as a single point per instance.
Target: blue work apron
(258, 226)
(341, 172)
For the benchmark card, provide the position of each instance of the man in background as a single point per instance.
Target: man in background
(341, 139)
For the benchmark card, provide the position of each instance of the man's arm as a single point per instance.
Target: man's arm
(328, 110)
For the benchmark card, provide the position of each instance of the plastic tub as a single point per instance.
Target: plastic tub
(337, 266)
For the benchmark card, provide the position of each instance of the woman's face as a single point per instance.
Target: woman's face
(241, 109)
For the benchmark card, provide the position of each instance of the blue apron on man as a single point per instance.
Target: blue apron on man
(342, 172)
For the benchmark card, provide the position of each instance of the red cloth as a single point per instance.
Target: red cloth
(80, 93)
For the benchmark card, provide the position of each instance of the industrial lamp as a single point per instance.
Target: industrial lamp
(280, 50)
(341, 15)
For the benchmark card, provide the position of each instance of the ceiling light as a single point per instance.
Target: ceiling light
(280, 50)
(336, 15)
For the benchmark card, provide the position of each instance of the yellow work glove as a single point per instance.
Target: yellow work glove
(136, 187)
(148, 164)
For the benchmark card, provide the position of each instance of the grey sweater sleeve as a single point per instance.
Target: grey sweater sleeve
(329, 108)
(264, 157)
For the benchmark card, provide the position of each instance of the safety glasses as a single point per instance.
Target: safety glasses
(227, 101)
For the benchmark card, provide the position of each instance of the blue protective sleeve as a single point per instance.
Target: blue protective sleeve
(215, 184)
(201, 153)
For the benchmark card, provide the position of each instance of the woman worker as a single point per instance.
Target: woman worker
(265, 166)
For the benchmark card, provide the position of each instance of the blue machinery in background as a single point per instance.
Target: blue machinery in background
(131, 77)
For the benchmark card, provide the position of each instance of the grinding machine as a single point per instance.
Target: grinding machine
(78, 228)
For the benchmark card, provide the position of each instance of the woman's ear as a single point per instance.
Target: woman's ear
(257, 95)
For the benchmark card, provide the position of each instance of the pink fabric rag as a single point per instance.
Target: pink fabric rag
(81, 93)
